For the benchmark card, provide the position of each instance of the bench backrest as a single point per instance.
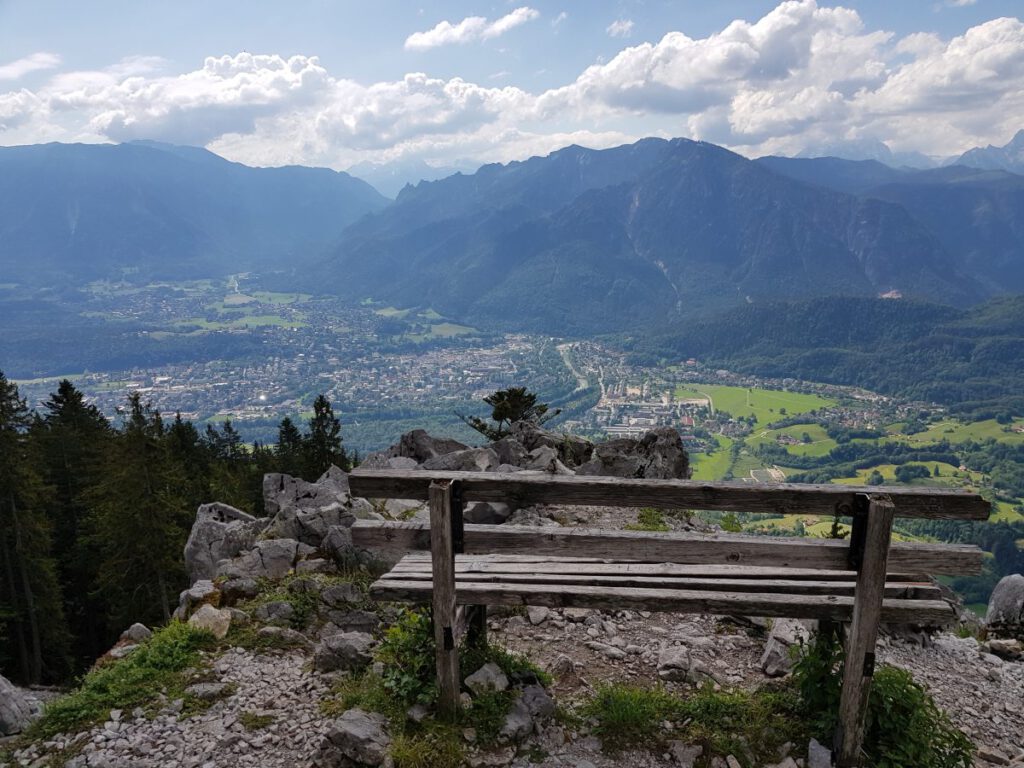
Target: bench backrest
(526, 488)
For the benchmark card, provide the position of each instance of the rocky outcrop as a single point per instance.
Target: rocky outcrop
(1005, 615)
(17, 709)
(219, 532)
(268, 559)
(529, 447)
(657, 455)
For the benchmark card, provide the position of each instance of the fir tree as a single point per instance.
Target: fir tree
(72, 437)
(139, 521)
(289, 448)
(322, 446)
(30, 597)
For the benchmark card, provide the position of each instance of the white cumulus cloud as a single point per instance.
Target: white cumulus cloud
(469, 29)
(620, 28)
(803, 75)
(18, 68)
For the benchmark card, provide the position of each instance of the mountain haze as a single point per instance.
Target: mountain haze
(1006, 158)
(83, 212)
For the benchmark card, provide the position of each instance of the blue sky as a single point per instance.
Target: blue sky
(335, 83)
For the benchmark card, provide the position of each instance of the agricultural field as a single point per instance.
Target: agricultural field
(765, 405)
(960, 432)
(819, 442)
(715, 465)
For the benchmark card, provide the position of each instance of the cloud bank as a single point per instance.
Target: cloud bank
(803, 75)
(469, 29)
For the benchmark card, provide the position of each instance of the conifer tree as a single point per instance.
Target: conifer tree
(72, 437)
(29, 590)
(139, 521)
(289, 448)
(322, 446)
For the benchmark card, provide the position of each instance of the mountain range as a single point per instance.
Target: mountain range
(83, 212)
(586, 241)
(578, 242)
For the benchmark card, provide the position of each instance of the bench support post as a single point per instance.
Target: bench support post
(860, 645)
(442, 552)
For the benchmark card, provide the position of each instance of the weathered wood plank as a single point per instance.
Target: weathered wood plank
(443, 594)
(676, 547)
(892, 590)
(526, 488)
(670, 600)
(572, 565)
(868, 608)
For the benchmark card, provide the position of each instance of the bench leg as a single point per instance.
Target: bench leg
(476, 625)
(443, 564)
(860, 644)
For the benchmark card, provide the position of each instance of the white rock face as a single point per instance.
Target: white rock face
(1006, 606)
(215, 620)
(16, 709)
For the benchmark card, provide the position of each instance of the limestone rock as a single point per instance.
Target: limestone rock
(233, 590)
(16, 709)
(818, 756)
(220, 532)
(518, 722)
(666, 457)
(487, 513)
(488, 678)
(538, 702)
(776, 660)
(136, 633)
(571, 450)
(277, 612)
(1005, 614)
(269, 559)
(341, 595)
(659, 454)
(685, 754)
(537, 614)
(306, 511)
(215, 620)
(352, 621)
(510, 451)
(357, 738)
(674, 664)
(423, 447)
(281, 491)
(467, 460)
(345, 651)
(203, 591)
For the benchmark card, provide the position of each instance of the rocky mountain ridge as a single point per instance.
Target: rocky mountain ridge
(285, 594)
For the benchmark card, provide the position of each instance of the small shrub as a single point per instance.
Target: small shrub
(407, 652)
(904, 728)
(649, 519)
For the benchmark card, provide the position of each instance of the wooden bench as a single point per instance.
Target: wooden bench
(862, 581)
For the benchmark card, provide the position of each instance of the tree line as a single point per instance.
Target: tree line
(94, 515)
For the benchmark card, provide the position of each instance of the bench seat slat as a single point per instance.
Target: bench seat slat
(675, 547)
(905, 590)
(415, 561)
(829, 607)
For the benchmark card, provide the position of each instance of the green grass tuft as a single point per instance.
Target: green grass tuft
(157, 666)
(255, 722)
